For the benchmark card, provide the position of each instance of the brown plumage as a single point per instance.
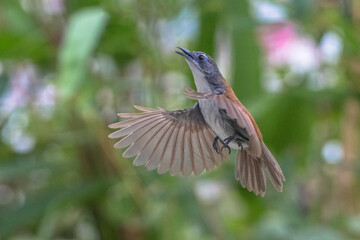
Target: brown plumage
(252, 162)
(199, 138)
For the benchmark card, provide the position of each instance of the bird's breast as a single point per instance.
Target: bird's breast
(217, 122)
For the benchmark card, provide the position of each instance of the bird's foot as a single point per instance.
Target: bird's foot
(224, 143)
(227, 141)
(215, 143)
(227, 147)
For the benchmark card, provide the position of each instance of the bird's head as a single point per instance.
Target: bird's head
(206, 73)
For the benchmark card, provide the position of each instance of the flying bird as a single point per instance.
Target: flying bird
(199, 138)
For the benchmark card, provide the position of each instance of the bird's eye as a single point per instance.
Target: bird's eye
(201, 57)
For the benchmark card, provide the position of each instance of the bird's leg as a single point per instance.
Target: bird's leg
(215, 143)
(240, 145)
(227, 141)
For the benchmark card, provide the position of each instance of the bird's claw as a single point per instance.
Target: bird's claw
(225, 145)
(215, 144)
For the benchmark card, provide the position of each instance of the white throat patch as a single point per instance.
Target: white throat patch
(201, 83)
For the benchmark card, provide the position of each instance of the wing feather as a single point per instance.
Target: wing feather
(133, 115)
(252, 176)
(177, 154)
(135, 126)
(158, 154)
(142, 141)
(187, 166)
(147, 151)
(209, 138)
(169, 152)
(136, 134)
(199, 158)
(124, 124)
(208, 151)
(176, 141)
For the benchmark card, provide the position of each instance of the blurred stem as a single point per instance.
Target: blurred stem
(345, 175)
(347, 7)
(92, 168)
(246, 52)
(350, 126)
(210, 219)
(103, 225)
(131, 182)
(208, 22)
(345, 179)
(98, 162)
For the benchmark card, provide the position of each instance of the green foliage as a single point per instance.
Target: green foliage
(67, 68)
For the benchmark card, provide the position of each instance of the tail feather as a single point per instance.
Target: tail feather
(275, 173)
(250, 171)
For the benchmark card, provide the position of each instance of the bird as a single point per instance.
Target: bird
(201, 137)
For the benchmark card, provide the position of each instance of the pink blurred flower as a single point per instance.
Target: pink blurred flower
(26, 88)
(53, 7)
(46, 96)
(286, 48)
(18, 92)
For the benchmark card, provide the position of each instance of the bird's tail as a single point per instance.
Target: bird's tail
(250, 171)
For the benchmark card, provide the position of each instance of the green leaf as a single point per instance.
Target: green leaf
(81, 38)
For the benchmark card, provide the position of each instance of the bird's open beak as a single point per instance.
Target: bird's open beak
(190, 57)
(186, 54)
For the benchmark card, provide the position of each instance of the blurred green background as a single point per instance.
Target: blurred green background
(68, 66)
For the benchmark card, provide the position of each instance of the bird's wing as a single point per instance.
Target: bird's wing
(176, 141)
(192, 94)
(234, 110)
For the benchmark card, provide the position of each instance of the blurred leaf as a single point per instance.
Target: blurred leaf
(20, 37)
(302, 9)
(317, 233)
(246, 51)
(82, 35)
(24, 45)
(4, 80)
(16, 19)
(34, 208)
(284, 119)
(17, 168)
(123, 48)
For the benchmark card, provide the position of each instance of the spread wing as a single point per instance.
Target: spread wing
(234, 110)
(176, 141)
